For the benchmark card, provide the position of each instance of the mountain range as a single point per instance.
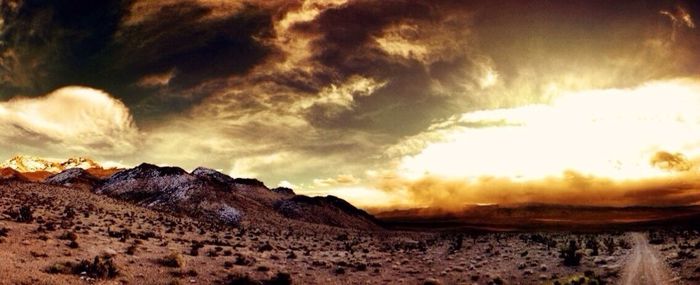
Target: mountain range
(204, 194)
(24, 163)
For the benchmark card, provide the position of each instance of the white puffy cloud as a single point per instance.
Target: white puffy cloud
(75, 119)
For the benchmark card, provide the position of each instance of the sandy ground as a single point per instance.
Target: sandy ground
(677, 250)
(69, 226)
(643, 264)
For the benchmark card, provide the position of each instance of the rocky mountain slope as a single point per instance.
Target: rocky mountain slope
(210, 196)
(74, 177)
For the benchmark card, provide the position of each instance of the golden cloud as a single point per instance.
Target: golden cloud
(569, 188)
(342, 179)
(72, 118)
(607, 133)
(671, 161)
(596, 147)
(157, 79)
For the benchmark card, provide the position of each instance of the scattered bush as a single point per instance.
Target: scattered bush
(68, 236)
(455, 244)
(592, 244)
(656, 238)
(609, 244)
(131, 250)
(243, 260)
(194, 249)
(25, 214)
(265, 247)
(571, 255)
(100, 267)
(173, 260)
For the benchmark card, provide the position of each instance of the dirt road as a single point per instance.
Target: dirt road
(644, 265)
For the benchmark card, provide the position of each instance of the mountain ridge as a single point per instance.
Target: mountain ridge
(25, 163)
(207, 195)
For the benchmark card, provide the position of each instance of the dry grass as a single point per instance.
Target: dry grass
(149, 247)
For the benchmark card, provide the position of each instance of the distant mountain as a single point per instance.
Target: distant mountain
(23, 164)
(536, 216)
(9, 174)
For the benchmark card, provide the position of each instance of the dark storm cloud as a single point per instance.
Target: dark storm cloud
(630, 41)
(346, 41)
(348, 46)
(198, 50)
(50, 44)
(311, 89)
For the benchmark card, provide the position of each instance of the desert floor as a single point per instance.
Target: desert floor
(56, 235)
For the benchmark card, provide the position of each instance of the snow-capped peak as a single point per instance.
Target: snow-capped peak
(23, 163)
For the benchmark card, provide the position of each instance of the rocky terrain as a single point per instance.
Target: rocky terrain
(679, 250)
(164, 225)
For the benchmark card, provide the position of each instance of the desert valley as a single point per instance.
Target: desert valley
(163, 225)
(274, 142)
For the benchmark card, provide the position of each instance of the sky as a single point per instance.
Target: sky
(397, 103)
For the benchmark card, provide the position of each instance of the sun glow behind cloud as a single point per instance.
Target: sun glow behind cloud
(608, 133)
(380, 102)
(604, 147)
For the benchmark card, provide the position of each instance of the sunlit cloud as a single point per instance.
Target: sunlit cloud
(670, 161)
(286, 184)
(351, 97)
(680, 18)
(343, 95)
(402, 40)
(608, 133)
(71, 119)
(157, 79)
(597, 147)
(340, 180)
(570, 188)
(297, 46)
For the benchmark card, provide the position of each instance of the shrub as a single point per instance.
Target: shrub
(609, 245)
(173, 260)
(194, 249)
(571, 255)
(98, 268)
(456, 244)
(281, 278)
(592, 244)
(240, 280)
(131, 250)
(25, 214)
(243, 260)
(68, 236)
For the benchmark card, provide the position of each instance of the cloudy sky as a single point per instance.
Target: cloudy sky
(385, 103)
